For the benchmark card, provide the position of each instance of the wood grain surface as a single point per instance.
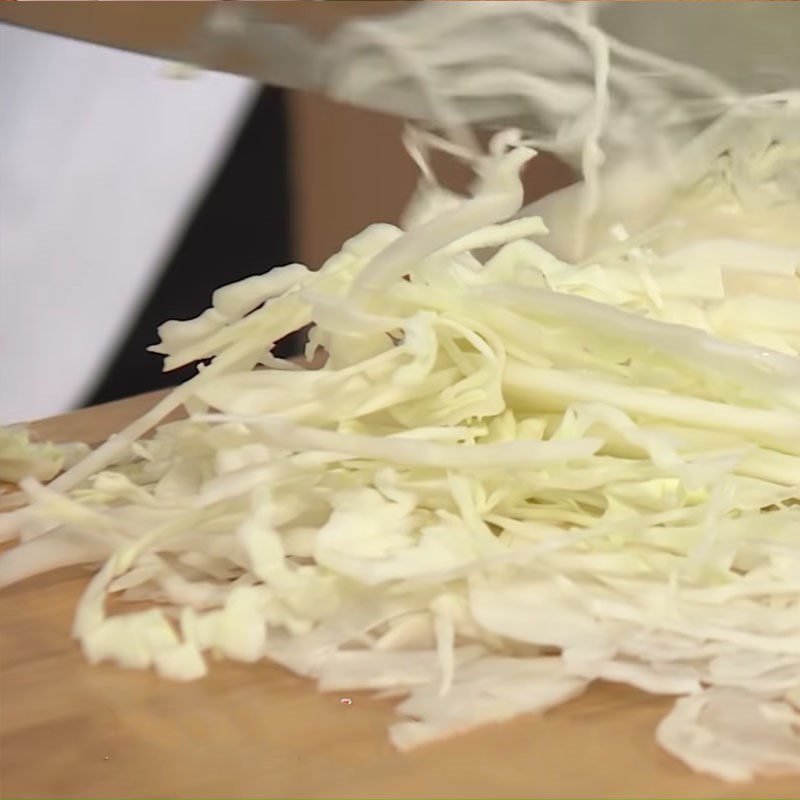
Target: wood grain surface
(71, 730)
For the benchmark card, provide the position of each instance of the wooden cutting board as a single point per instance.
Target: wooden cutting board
(71, 730)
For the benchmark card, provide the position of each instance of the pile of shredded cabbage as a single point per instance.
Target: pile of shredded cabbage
(513, 476)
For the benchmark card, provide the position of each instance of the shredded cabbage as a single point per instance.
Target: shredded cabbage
(20, 457)
(514, 475)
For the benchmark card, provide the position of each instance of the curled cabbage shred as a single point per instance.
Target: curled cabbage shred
(513, 475)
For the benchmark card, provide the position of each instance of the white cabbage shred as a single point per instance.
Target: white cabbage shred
(513, 476)
(21, 457)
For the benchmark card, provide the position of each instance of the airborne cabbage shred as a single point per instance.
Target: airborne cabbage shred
(512, 476)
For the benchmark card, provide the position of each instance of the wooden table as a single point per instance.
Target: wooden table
(71, 730)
